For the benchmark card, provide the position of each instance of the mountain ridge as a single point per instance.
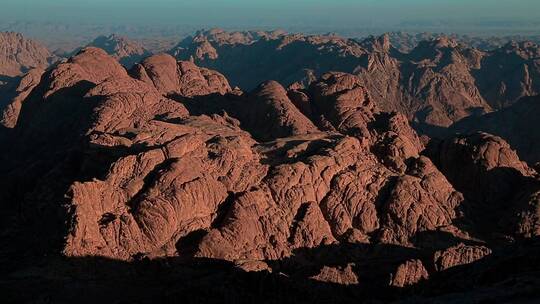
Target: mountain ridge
(170, 182)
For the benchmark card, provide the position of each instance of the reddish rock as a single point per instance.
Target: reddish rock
(499, 188)
(460, 254)
(181, 78)
(273, 115)
(19, 55)
(435, 83)
(166, 166)
(17, 96)
(127, 52)
(515, 124)
(338, 275)
(341, 100)
(481, 165)
(409, 273)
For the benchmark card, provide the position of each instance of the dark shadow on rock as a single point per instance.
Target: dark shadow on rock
(433, 131)
(274, 59)
(8, 89)
(489, 194)
(187, 245)
(511, 273)
(52, 152)
(279, 155)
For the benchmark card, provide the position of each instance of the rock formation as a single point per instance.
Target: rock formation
(14, 94)
(405, 42)
(515, 124)
(437, 83)
(164, 173)
(127, 52)
(19, 55)
(179, 78)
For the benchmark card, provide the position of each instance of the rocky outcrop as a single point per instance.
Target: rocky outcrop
(271, 114)
(436, 83)
(267, 55)
(515, 124)
(343, 104)
(493, 179)
(127, 52)
(258, 192)
(460, 254)
(343, 276)
(409, 273)
(509, 73)
(14, 97)
(433, 84)
(19, 55)
(179, 78)
(405, 42)
(167, 164)
(473, 164)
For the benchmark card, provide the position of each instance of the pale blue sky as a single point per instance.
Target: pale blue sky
(268, 12)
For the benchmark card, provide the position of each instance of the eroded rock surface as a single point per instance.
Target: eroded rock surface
(459, 255)
(409, 273)
(515, 124)
(19, 55)
(168, 163)
(181, 78)
(435, 83)
(127, 52)
(13, 97)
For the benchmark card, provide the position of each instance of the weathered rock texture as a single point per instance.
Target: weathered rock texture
(14, 94)
(409, 273)
(181, 78)
(459, 255)
(127, 52)
(493, 180)
(436, 83)
(168, 164)
(19, 55)
(515, 124)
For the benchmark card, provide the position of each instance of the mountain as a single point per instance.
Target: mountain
(14, 93)
(405, 42)
(289, 55)
(516, 124)
(163, 183)
(22, 61)
(435, 84)
(26, 62)
(127, 52)
(18, 55)
(509, 73)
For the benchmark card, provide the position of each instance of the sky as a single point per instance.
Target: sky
(273, 13)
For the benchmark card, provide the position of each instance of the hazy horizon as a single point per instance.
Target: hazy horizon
(66, 24)
(276, 13)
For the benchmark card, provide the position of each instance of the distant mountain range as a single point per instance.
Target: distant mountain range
(268, 167)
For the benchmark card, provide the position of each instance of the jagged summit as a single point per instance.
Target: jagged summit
(127, 52)
(18, 55)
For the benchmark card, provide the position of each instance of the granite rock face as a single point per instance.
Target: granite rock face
(435, 83)
(19, 55)
(516, 124)
(317, 184)
(181, 78)
(15, 94)
(493, 180)
(258, 192)
(127, 52)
